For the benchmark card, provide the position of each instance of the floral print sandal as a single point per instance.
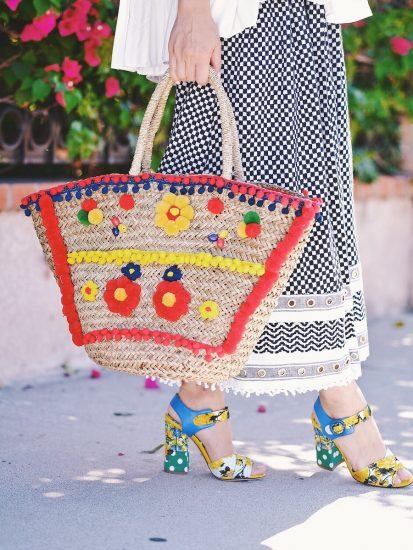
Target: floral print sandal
(234, 467)
(329, 455)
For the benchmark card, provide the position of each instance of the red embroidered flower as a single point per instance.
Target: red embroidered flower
(171, 300)
(122, 296)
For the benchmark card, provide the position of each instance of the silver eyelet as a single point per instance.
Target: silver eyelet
(362, 339)
(291, 303)
(355, 274)
(347, 360)
(282, 372)
(329, 301)
(310, 302)
(261, 373)
(243, 373)
(354, 356)
(336, 366)
(320, 368)
(301, 371)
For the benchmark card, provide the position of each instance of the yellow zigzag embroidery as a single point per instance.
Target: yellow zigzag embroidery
(146, 257)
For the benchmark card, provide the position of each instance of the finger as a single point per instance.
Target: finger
(180, 68)
(172, 62)
(202, 72)
(216, 61)
(190, 69)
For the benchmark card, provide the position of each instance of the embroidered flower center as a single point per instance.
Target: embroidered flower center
(169, 299)
(120, 294)
(173, 213)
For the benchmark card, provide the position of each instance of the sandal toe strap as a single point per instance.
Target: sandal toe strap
(380, 473)
(232, 467)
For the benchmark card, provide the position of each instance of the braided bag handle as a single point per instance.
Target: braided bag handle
(231, 157)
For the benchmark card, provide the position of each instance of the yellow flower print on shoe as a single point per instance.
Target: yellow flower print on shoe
(173, 214)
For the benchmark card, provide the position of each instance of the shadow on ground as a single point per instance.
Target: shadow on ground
(74, 475)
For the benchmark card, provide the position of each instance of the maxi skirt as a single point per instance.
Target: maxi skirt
(286, 80)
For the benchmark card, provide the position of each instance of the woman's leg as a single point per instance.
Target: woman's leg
(218, 438)
(365, 445)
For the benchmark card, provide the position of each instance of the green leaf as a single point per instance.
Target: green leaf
(41, 90)
(72, 99)
(41, 6)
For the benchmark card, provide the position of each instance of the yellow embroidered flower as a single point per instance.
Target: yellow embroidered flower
(90, 291)
(173, 214)
(209, 309)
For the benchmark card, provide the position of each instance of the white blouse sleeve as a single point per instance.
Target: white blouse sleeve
(144, 26)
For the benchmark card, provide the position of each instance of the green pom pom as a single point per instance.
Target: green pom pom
(82, 217)
(252, 217)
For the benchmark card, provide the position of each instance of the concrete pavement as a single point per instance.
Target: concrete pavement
(74, 474)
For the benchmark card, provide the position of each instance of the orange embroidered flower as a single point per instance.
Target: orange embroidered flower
(122, 296)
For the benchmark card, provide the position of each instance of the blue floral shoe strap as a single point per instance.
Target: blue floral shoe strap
(338, 427)
(194, 421)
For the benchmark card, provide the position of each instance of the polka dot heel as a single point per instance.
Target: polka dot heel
(327, 453)
(176, 448)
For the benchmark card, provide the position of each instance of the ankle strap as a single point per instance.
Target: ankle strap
(338, 427)
(194, 421)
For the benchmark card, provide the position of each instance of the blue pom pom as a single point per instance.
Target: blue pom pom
(95, 186)
(124, 188)
(201, 189)
(260, 202)
(211, 188)
(115, 188)
(271, 207)
(285, 210)
(251, 201)
(242, 198)
(212, 238)
(183, 191)
(78, 194)
(298, 212)
(115, 231)
(68, 196)
(319, 217)
(231, 195)
(28, 212)
(191, 190)
(172, 189)
(37, 207)
(88, 192)
(135, 189)
(105, 190)
(160, 186)
(220, 190)
(146, 186)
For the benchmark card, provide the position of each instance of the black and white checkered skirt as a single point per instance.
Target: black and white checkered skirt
(286, 81)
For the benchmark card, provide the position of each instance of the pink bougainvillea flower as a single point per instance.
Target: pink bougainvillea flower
(91, 56)
(112, 86)
(71, 72)
(13, 4)
(74, 18)
(359, 24)
(84, 33)
(400, 45)
(54, 67)
(60, 99)
(102, 30)
(95, 373)
(39, 28)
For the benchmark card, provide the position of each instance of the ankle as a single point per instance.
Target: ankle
(196, 397)
(340, 401)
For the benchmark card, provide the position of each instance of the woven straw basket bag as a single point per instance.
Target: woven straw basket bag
(171, 276)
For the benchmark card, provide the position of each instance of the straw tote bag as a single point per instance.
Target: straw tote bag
(171, 275)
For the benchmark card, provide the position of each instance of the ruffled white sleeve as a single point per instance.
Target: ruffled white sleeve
(144, 26)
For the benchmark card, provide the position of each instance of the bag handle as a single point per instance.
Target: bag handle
(231, 157)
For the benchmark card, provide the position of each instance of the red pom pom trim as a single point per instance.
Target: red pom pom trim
(127, 202)
(215, 206)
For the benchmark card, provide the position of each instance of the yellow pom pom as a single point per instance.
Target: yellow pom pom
(120, 294)
(223, 234)
(241, 230)
(122, 228)
(95, 216)
(168, 299)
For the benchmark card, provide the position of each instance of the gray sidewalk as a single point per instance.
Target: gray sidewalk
(74, 475)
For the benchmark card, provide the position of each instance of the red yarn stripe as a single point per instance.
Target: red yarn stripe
(62, 270)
